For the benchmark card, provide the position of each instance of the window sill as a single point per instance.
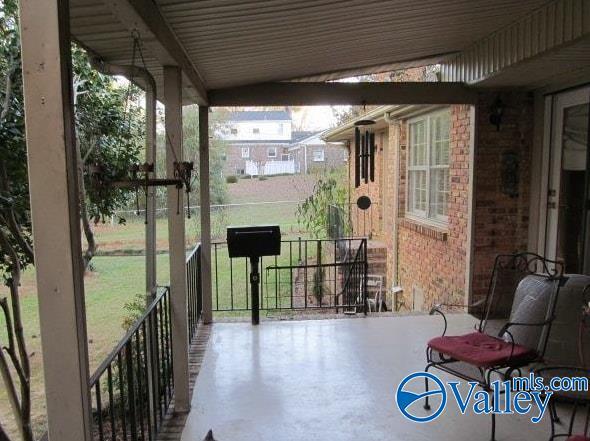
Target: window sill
(426, 229)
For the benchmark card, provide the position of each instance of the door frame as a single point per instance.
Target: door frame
(555, 105)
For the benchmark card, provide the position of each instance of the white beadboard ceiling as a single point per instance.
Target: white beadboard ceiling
(237, 42)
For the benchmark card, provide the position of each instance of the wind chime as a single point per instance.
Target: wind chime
(364, 152)
(139, 175)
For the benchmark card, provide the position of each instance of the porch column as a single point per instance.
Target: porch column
(176, 239)
(150, 228)
(55, 214)
(205, 204)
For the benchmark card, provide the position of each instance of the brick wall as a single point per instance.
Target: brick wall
(369, 222)
(500, 220)
(432, 261)
(258, 153)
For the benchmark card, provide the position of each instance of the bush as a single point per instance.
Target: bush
(231, 179)
(262, 178)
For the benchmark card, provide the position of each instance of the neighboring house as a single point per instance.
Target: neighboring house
(264, 143)
(310, 152)
(258, 143)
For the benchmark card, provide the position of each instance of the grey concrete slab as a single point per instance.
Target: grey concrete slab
(328, 380)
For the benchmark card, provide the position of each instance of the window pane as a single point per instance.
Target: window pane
(417, 190)
(439, 136)
(439, 192)
(418, 143)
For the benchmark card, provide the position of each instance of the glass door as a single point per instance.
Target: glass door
(568, 232)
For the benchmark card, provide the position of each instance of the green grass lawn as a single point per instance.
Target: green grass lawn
(117, 279)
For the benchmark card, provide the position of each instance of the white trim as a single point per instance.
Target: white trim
(268, 150)
(469, 263)
(247, 150)
(425, 216)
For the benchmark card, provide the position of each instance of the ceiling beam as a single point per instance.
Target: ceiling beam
(311, 94)
(145, 18)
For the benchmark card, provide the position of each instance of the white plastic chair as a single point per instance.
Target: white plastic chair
(374, 292)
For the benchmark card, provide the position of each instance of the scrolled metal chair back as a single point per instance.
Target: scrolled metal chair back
(502, 301)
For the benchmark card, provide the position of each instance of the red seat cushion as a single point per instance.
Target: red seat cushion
(481, 350)
(578, 438)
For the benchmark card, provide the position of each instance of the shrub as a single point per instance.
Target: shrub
(262, 178)
(231, 179)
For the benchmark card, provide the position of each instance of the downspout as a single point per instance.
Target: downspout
(394, 124)
(144, 79)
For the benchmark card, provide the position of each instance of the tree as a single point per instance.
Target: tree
(108, 132)
(329, 190)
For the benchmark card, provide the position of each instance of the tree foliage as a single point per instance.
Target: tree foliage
(312, 213)
(109, 131)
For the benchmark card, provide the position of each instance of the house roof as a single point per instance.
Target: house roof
(259, 115)
(299, 136)
(382, 115)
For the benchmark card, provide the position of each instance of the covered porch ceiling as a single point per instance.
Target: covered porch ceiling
(223, 44)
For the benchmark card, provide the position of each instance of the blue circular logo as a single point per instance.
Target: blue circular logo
(405, 398)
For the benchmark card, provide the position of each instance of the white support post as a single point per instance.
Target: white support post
(205, 204)
(55, 213)
(176, 239)
(150, 228)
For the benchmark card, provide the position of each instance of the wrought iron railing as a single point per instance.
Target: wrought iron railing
(309, 274)
(131, 390)
(194, 291)
(354, 292)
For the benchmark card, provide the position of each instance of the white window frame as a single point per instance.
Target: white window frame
(245, 151)
(256, 130)
(426, 216)
(320, 151)
(273, 149)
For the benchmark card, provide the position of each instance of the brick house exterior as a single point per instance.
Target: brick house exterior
(446, 262)
(311, 153)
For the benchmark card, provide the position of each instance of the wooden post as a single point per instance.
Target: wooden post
(150, 228)
(53, 186)
(176, 239)
(205, 213)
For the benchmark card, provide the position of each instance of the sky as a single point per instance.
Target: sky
(315, 117)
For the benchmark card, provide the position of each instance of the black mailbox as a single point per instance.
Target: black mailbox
(254, 241)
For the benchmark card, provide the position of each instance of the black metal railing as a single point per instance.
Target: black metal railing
(309, 274)
(131, 390)
(194, 291)
(354, 292)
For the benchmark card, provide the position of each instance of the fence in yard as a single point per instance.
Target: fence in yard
(309, 274)
(269, 168)
(282, 213)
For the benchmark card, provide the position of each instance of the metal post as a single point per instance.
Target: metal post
(53, 186)
(176, 239)
(205, 213)
(255, 284)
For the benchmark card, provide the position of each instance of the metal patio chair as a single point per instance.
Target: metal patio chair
(515, 320)
(577, 400)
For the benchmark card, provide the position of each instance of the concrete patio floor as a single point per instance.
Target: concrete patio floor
(328, 380)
